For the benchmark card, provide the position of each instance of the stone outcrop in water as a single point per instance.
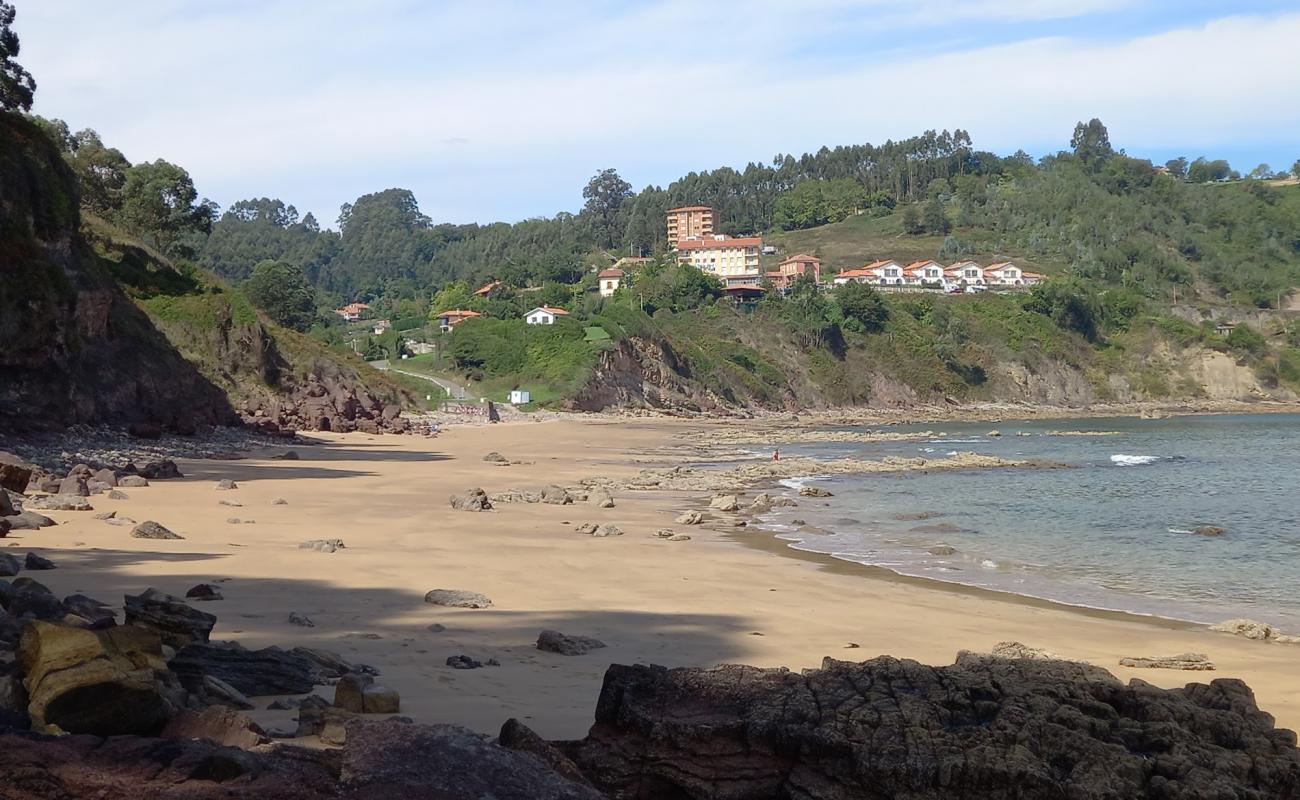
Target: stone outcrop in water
(886, 728)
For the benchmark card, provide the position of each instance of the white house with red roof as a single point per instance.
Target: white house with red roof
(1005, 273)
(966, 273)
(926, 273)
(450, 319)
(544, 315)
(608, 280)
(880, 273)
(788, 271)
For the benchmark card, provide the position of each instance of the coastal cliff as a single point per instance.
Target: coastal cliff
(96, 328)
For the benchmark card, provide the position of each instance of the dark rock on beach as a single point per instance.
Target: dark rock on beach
(565, 645)
(982, 729)
(170, 617)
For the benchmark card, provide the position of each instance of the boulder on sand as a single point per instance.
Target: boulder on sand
(59, 502)
(175, 622)
(35, 562)
(15, 472)
(360, 694)
(102, 682)
(160, 470)
(29, 521)
(322, 545)
(132, 481)
(556, 642)
(226, 484)
(1251, 629)
(203, 591)
(690, 518)
(9, 565)
(724, 502)
(1188, 661)
(471, 500)
(152, 530)
(456, 598)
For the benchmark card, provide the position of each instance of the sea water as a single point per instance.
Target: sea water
(1113, 529)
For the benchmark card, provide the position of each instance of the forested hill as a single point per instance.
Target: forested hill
(1186, 230)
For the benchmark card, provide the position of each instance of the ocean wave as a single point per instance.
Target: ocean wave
(1122, 460)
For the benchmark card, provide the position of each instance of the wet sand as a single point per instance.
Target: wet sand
(709, 600)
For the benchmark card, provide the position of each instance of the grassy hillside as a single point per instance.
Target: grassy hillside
(864, 238)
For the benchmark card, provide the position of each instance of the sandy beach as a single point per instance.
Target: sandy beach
(727, 595)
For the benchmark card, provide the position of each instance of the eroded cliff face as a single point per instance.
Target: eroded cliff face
(649, 373)
(75, 347)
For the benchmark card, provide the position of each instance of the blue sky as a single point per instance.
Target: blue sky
(500, 111)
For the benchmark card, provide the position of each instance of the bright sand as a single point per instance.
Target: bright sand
(692, 603)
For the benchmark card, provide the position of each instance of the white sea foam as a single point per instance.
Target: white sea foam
(1121, 460)
(989, 564)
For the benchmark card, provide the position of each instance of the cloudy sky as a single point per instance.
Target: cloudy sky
(499, 111)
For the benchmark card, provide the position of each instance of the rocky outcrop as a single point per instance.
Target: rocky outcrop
(112, 681)
(395, 760)
(981, 728)
(471, 500)
(170, 617)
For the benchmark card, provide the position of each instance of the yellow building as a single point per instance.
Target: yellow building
(690, 222)
(723, 255)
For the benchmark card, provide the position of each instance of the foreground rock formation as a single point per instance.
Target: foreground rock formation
(149, 709)
(982, 728)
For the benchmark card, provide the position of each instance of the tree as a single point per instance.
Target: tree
(283, 292)
(1295, 168)
(934, 218)
(158, 205)
(1203, 170)
(862, 306)
(17, 87)
(101, 172)
(1091, 142)
(1261, 173)
(605, 194)
(1177, 167)
(452, 296)
(912, 221)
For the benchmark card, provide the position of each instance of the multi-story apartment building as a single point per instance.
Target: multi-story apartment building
(724, 256)
(690, 222)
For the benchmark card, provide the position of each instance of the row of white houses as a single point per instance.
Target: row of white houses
(957, 276)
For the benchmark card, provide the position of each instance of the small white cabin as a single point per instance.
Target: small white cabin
(544, 315)
(519, 397)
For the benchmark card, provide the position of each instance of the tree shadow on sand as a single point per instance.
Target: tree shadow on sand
(389, 628)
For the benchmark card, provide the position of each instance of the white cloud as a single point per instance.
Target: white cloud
(490, 109)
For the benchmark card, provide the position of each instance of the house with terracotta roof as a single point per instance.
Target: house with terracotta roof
(609, 280)
(544, 315)
(690, 222)
(881, 273)
(925, 273)
(450, 319)
(722, 255)
(785, 274)
(1005, 273)
(352, 311)
(966, 273)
